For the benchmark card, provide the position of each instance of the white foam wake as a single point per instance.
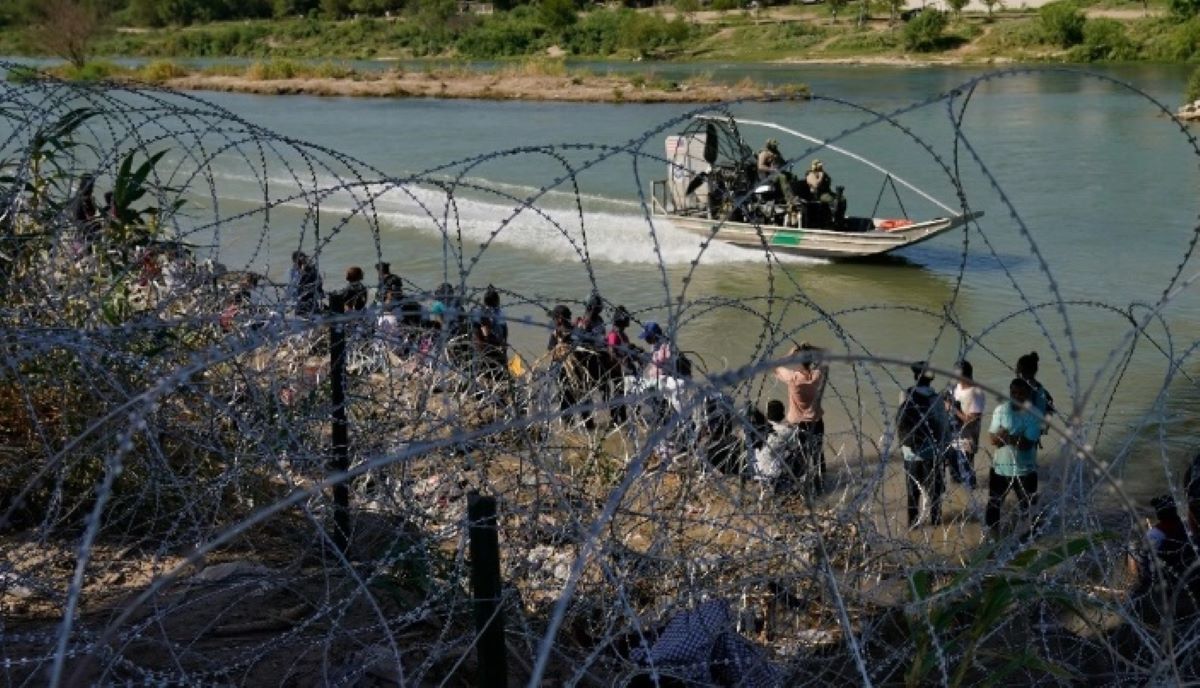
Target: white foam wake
(550, 225)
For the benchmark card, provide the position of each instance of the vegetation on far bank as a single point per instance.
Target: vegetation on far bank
(535, 78)
(1066, 30)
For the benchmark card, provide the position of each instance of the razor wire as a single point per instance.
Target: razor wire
(167, 509)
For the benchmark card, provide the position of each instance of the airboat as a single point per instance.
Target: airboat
(714, 190)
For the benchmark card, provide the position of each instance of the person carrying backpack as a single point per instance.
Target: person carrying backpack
(922, 426)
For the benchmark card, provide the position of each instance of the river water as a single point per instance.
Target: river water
(1089, 197)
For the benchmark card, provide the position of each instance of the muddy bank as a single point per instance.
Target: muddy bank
(489, 86)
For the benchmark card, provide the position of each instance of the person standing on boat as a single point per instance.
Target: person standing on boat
(805, 387)
(770, 165)
(923, 426)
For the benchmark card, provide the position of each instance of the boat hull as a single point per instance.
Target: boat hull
(817, 243)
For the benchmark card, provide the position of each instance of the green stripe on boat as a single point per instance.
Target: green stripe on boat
(788, 239)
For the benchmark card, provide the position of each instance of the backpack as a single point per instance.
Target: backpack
(683, 365)
(915, 420)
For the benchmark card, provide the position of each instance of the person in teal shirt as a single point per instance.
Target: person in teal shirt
(1015, 430)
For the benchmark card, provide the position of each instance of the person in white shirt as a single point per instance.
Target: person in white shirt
(968, 403)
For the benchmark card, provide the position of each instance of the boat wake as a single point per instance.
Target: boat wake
(598, 228)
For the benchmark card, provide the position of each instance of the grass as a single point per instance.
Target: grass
(287, 48)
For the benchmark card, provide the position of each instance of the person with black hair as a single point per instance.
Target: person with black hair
(922, 426)
(590, 326)
(491, 310)
(305, 285)
(574, 376)
(806, 385)
(967, 402)
(1014, 432)
(623, 356)
(1168, 554)
(389, 284)
(355, 293)
(1027, 370)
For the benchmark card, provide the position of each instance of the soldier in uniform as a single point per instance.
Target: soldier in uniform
(770, 162)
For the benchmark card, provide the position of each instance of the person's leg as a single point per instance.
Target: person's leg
(818, 443)
(998, 486)
(1027, 487)
(913, 474)
(937, 488)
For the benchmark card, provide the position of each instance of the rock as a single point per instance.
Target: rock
(11, 584)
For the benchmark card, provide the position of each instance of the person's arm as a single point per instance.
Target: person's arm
(1030, 434)
(997, 432)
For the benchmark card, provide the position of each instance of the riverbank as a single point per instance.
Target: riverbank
(1083, 32)
(548, 80)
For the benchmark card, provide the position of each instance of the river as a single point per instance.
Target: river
(1089, 199)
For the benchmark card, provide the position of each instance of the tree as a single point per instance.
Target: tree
(924, 32)
(836, 6)
(894, 9)
(1062, 23)
(956, 6)
(67, 28)
(990, 4)
(557, 15)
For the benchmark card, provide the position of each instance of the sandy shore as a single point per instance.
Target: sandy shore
(487, 86)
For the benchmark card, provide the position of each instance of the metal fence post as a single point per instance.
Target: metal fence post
(340, 461)
(492, 653)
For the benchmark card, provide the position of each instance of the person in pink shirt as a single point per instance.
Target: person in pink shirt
(623, 359)
(660, 352)
(805, 385)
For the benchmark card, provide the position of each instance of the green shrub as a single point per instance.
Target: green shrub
(1104, 39)
(1185, 9)
(1192, 94)
(1062, 22)
(159, 71)
(725, 5)
(1014, 35)
(1172, 42)
(92, 71)
(272, 70)
(604, 32)
(507, 34)
(924, 32)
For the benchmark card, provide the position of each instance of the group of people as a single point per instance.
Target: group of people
(940, 432)
(827, 207)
